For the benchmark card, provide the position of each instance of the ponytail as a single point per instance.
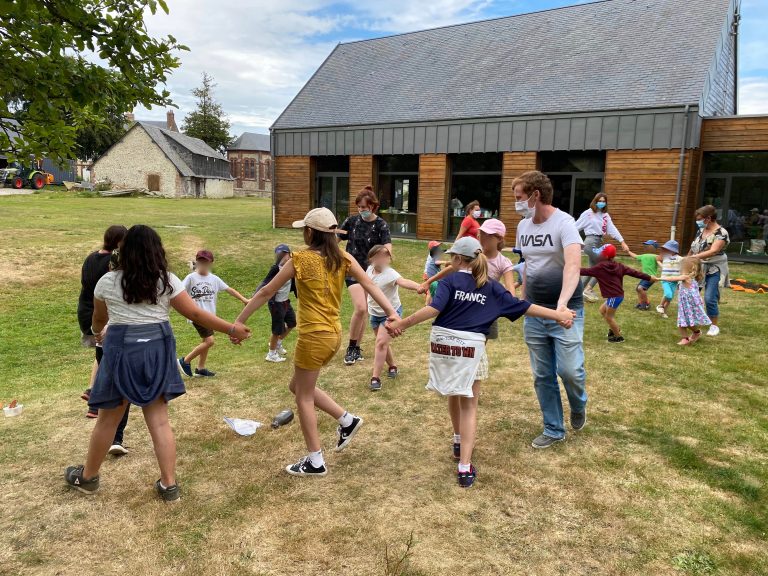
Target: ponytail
(479, 268)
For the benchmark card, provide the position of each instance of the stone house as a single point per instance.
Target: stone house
(165, 161)
(251, 162)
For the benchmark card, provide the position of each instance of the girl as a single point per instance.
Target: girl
(283, 315)
(139, 364)
(319, 272)
(388, 281)
(465, 306)
(690, 309)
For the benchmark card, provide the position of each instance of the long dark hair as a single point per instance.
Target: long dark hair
(143, 263)
(327, 243)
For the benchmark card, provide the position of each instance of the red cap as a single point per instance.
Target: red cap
(608, 251)
(434, 244)
(204, 255)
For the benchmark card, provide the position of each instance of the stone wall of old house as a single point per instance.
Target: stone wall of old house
(216, 188)
(256, 182)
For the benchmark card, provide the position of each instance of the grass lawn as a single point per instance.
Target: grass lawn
(668, 477)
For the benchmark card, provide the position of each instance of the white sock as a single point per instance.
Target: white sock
(464, 467)
(279, 342)
(345, 420)
(316, 459)
(457, 438)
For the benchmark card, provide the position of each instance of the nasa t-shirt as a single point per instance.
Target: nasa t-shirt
(204, 290)
(542, 246)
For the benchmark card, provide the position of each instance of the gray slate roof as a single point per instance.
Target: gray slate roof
(174, 144)
(607, 55)
(251, 141)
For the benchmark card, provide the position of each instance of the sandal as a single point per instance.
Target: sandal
(684, 342)
(695, 336)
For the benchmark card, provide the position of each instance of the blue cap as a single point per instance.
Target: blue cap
(672, 246)
(282, 248)
(651, 243)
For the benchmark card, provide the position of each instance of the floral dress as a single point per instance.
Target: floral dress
(690, 308)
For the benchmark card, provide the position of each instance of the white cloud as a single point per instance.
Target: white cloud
(753, 95)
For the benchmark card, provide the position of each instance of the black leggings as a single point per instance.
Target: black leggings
(124, 422)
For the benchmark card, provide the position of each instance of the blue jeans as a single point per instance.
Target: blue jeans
(555, 352)
(712, 294)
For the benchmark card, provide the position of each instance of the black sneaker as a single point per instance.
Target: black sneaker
(375, 384)
(346, 434)
(456, 451)
(74, 477)
(304, 467)
(359, 354)
(204, 373)
(610, 334)
(392, 372)
(578, 420)
(351, 356)
(169, 494)
(185, 367)
(467, 479)
(616, 339)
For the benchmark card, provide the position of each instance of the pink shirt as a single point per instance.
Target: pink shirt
(498, 266)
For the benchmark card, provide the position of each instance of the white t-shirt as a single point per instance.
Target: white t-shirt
(386, 280)
(108, 289)
(542, 246)
(204, 290)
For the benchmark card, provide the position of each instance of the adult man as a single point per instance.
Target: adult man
(551, 246)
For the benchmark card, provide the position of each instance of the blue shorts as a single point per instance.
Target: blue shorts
(669, 289)
(645, 284)
(614, 302)
(377, 321)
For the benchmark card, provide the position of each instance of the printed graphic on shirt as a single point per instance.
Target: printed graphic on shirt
(362, 236)
(204, 290)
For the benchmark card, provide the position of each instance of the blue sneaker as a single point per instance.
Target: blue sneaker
(467, 479)
(457, 451)
(204, 373)
(375, 384)
(185, 367)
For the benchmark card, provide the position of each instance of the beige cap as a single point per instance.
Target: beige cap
(320, 219)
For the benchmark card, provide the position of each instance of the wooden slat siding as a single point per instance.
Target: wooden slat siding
(360, 176)
(641, 186)
(433, 196)
(734, 134)
(513, 164)
(293, 194)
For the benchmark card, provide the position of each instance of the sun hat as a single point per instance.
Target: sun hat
(466, 246)
(494, 227)
(204, 255)
(320, 219)
(282, 248)
(672, 246)
(651, 243)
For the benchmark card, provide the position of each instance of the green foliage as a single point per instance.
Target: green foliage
(208, 121)
(71, 66)
(694, 562)
(93, 140)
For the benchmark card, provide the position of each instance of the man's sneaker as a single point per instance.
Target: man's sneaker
(467, 479)
(713, 330)
(86, 395)
(346, 434)
(92, 413)
(543, 441)
(392, 372)
(185, 368)
(590, 296)
(359, 354)
(169, 494)
(274, 356)
(616, 339)
(282, 351)
(375, 384)
(74, 477)
(204, 373)
(304, 467)
(456, 451)
(351, 356)
(578, 420)
(118, 450)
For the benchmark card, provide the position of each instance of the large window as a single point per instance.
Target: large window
(399, 192)
(576, 178)
(737, 185)
(474, 177)
(332, 185)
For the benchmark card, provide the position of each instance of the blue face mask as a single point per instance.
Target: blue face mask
(601, 205)
(365, 214)
(701, 224)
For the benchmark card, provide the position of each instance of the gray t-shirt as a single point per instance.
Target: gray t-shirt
(110, 291)
(542, 246)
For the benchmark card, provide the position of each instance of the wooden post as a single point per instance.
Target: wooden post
(433, 193)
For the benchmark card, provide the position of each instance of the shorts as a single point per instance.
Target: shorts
(669, 289)
(614, 302)
(349, 281)
(316, 349)
(202, 330)
(283, 317)
(483, 370)
(377, 321)
(645, 284)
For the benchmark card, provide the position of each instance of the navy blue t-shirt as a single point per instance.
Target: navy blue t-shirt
(463, 306)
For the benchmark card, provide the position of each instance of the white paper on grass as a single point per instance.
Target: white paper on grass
(243, 427)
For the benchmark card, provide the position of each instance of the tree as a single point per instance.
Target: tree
(208, 121)
(93, 141)
(69, 66)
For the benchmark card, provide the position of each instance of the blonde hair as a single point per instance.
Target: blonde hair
(479, 268)
(693, 268)
(377, 249)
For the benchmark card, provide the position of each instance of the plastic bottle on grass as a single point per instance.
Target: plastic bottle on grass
(283, 418)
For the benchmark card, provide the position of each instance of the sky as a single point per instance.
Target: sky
(261, 52)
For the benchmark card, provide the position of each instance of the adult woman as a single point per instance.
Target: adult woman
(470, 225)
(709, 247)
(364, 231)
(595, 222)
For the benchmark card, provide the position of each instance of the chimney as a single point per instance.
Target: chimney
(170, 121)
(130, 117)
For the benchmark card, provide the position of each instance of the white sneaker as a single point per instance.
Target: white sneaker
(713, 330)
(282, 351)
(660, 309)
(273, 356)
(118, 450)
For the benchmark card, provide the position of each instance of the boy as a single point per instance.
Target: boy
(610, 277)
(432, 266)
(283, 314)
(204, 287)
(670, 266)
(649, 263)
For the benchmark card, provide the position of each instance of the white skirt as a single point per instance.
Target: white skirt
(454, 361)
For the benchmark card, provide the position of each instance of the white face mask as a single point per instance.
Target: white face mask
(476, 213)
(522, 208)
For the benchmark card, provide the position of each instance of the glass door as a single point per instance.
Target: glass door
(332, 192)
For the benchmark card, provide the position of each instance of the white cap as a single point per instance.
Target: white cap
(466, 246)
(320, 219)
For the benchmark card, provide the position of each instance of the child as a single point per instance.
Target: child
(319, 272)
(139, 363)
(610, 276)
(691, 314)
(388, 281)
(283, 315)
(649, 263)
(432, 266)
(204, 287)
(670, 266)
(465, 306)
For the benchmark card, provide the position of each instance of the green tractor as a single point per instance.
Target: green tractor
(17, 176)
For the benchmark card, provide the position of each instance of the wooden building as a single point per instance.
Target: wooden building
(624, 97)
(251, 162)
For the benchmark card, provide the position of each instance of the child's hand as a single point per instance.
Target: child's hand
(565, 317)
(655, 279)
(423, 288)
(394, 327)
(239, 333)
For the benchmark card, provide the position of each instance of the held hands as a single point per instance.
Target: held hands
(239, 333)
(394, 326)
(423, 288)
(565, 316)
